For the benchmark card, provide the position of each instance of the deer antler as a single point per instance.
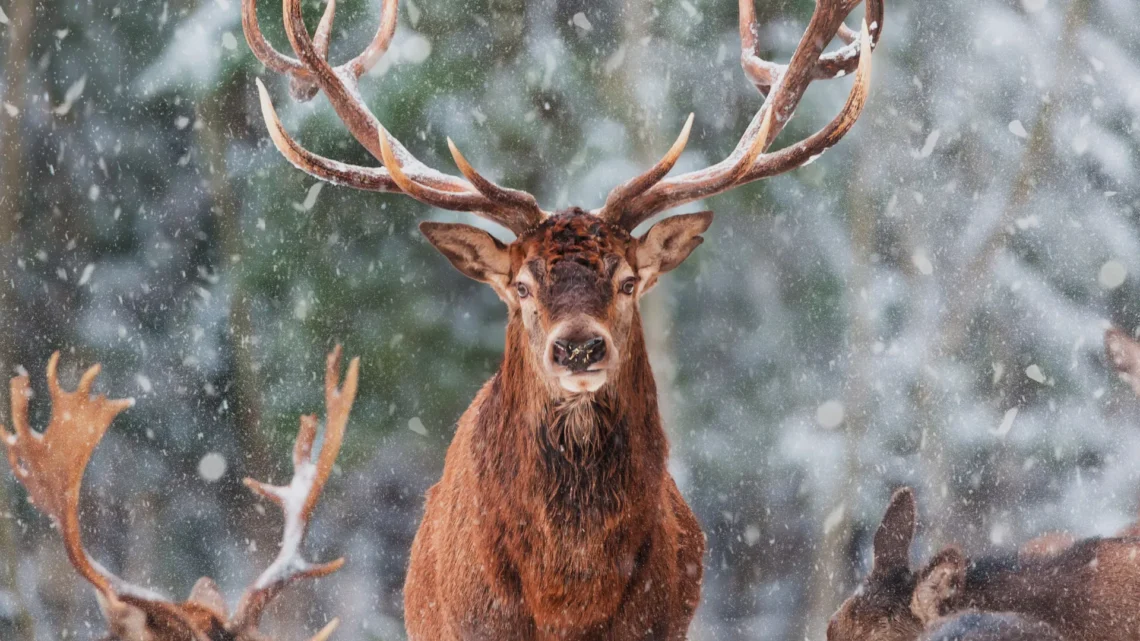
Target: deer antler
(402, 173)
(299, 497)
(640, 198)
(51, 466)
(628, 204)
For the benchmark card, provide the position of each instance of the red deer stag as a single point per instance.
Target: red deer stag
(1089, 591)
(51, 465)
(555, 517)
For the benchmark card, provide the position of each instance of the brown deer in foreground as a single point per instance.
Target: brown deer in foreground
(555, 517)
(1089, 591)
(51, 465)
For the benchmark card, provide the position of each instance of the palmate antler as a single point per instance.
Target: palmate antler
(627, 205)
(51, 466)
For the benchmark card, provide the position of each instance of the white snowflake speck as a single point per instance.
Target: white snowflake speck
(582, 22)
(829, 414)
(212, 467)
(1112, 274)
(1006, 422)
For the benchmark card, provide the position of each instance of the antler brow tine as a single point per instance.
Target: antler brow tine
(298, 499)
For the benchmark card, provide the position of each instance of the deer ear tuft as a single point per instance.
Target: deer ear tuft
(938, 584)
(895, 533)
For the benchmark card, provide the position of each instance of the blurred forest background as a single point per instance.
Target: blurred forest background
(923, 305)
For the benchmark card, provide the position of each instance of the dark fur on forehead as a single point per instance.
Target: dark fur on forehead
(577, 235)
(884, 595)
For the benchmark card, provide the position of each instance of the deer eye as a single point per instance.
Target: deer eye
(629, 286)
(522, 289)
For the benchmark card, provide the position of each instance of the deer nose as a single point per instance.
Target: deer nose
(577, 356)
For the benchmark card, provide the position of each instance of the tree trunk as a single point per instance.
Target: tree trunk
(217, 111)
(831, 571)
(969, 284)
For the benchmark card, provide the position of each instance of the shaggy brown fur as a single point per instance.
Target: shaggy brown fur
(555, 517)
(1089, 591)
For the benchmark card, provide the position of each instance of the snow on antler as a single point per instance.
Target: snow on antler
(299, 497)
(50, 464)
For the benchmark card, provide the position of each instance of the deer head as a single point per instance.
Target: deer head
(895, 603)
(51, 465)
(572, 285)
(571, 280)
(881, 608)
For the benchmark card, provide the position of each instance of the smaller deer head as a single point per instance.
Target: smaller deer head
(893, 603)
(572, 284)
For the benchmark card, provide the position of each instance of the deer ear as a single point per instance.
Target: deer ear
(895, 533)
(667, 244)
(942, 579)
(472, 251)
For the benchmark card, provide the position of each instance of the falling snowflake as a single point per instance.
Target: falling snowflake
(212, 467)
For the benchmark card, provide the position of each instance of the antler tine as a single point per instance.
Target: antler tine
(262, 50)
(368, 58)
(51, 464)
(300, 496)
(323, 36)
(748, 162)
(515, 210)
(326, 169)
(764, 73)
(521, 200)
(621, 195)
(326, 631)
(761, 72)
(510, 212)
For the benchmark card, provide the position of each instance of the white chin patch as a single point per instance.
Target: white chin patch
(584, 383)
